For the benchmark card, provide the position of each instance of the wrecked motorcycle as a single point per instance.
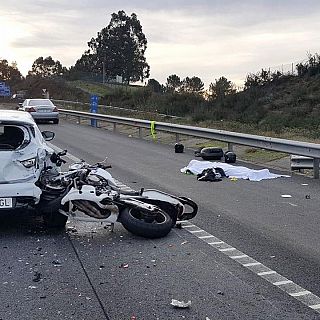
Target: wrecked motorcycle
(89, 193)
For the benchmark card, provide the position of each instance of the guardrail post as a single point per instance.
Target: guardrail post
(79, 119)
(177, 137)
(230, 146)
(316, 168)
(140, 132)
(114, 127)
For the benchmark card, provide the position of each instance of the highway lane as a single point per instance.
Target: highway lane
(252, 216)
(249, 216)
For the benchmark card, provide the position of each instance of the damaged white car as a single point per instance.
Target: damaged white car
(30, 177)
(23, 156)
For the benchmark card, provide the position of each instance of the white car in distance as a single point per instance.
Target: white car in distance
(41, 109)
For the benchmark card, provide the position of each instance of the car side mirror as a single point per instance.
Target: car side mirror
(48, 135)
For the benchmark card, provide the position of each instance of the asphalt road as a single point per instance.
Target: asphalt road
(88, 272)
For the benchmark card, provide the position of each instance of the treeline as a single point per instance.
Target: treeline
(271, 99)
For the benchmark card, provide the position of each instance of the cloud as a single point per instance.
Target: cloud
(204, 38)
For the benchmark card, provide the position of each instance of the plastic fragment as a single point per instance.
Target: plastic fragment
(308, 196)
(124, 265)
(234, 179)
(36, 277)
(286, 196)
(180, 304)
(57, 263)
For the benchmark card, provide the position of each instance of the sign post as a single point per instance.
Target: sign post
(94, 108)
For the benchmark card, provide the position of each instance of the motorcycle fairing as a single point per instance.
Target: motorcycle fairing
(88, 193)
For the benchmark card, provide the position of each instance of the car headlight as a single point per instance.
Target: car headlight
(29, 163)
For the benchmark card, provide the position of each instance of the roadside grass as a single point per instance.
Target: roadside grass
(257, 155)
(101, 89)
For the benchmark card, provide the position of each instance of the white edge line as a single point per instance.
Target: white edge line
(266, 272)
(299, 294)
(227, 249)
(251, 264)
(279, 283)
(239, 257)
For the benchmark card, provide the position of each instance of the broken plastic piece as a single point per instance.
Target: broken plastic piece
(180, 304)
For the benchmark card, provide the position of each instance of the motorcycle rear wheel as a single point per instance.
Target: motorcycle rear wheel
(134, 221)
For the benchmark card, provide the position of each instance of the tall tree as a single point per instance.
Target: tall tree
(9, 73)
(155, 86)
(173, 83)
(46, 67)
(221, 88)
(121, 47)
(192, 85)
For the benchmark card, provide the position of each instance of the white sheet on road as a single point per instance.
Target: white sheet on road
(196, 167)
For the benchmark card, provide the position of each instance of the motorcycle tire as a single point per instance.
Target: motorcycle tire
(132, 220)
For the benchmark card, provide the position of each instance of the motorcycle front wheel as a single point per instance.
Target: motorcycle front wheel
(136, 222)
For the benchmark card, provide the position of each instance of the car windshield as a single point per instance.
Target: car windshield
(11, 137)
(40, 102)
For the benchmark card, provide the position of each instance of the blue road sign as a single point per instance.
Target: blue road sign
(94, 108)
(4, 90)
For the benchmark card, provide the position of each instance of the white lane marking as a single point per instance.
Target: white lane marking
(266, 273)
(252, 264)
(309, 302)
(227, 249)
(195, 231)
(299, 294)
(304, 296)
(280, 283)
(239, 257)
(206, 237)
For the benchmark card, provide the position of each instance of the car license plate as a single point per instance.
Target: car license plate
(5, 203)
(44, 110)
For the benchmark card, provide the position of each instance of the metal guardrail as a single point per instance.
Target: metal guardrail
(306, 149)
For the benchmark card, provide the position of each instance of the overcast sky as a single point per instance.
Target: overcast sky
(204, 38)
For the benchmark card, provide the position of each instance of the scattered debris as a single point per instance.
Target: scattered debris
(178, 148)
(36, 277)
(234, 179)
(308, 196)
(286, 196)
(184, 242)
(57, 263)
(180, 304)
(304, 184)
(72, 229)
(124, 265)
(221, 293)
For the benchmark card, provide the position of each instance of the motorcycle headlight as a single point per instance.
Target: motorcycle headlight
(29, 163)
